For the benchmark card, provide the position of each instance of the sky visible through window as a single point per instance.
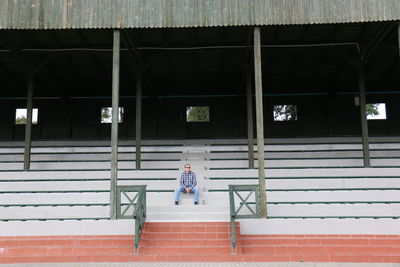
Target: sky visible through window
(21, 114)
(376, 111)
(106, 115)
(285, 112)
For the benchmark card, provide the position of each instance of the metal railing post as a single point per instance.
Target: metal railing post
(232, 217)
(138, 202)
(234, 213)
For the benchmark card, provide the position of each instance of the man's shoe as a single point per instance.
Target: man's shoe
(196, 203)
(176, 203)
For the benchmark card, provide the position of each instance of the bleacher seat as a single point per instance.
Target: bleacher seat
(306, 178)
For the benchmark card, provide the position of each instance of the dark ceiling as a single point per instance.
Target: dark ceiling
(201, 61)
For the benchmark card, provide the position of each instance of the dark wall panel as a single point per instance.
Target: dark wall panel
(164, 118)
(85, 132)
(393, 113)
(54, 131)
(6, 132)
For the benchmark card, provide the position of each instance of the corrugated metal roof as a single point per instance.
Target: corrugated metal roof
(70, 14)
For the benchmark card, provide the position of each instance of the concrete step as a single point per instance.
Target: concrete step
(364, 195)
(188, 212)
(177, 164)
(298, 173)
(310, 183)
(193, 155)
(92, 174)
(92, 157)
(153, 198)
(206, 198)
(66, 228)
(204, 185)
(324, 210)
(75, 212)
(203, 165)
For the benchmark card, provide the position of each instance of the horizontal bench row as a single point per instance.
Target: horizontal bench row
(300, 173)
(208, 198)
(301, 140)
(202, 212)
(130, 165)
(202, 148)
(10, 179)
(176, 156)
(204, 184)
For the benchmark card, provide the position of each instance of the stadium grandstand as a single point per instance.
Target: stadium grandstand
(287, 111)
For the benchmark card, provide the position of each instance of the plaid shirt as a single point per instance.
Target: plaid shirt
(188, 179)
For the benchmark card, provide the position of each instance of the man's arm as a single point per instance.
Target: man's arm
(181, 180)
(194, 180)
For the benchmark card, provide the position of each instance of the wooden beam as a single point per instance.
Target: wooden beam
(260, 120)
(133, 52)
(114, 124)
(250, 133)
(363, 115)
(16, 51)
(366, 54)
(28, 124)
(138, 135)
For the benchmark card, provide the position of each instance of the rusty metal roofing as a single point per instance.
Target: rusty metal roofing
(92, 14)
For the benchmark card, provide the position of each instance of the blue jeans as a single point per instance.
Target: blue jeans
(195, 190)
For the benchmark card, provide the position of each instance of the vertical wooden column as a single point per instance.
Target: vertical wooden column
(363, 115)
(138, 119)
(250, 134)
(260, 120)
(114, 124)
(28, 125)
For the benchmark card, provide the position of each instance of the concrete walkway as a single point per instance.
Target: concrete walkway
(207, 264)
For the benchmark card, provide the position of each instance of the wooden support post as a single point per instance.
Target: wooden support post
(114, 124)
(138, 119)
(250, 134)
(260, 120)
(363, 115)
(28, 124)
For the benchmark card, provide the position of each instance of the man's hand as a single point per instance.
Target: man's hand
(188, 189)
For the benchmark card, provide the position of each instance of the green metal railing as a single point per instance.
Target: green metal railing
(250, 203)
(131, 203)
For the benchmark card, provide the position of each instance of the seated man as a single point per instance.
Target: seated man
(188, 184)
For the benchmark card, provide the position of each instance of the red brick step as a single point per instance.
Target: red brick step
(186, 239)
(200, 241)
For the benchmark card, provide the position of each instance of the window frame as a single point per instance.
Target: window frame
(192, 106)
(26, 115)
(377, 119)
(120, 113)
(280, 121)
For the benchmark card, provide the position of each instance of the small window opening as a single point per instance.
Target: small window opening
(285, 112)
(22, 113)
(106, 115)
(198, 114)
(376, 111)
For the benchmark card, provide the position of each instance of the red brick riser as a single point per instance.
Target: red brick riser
(205, 241)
